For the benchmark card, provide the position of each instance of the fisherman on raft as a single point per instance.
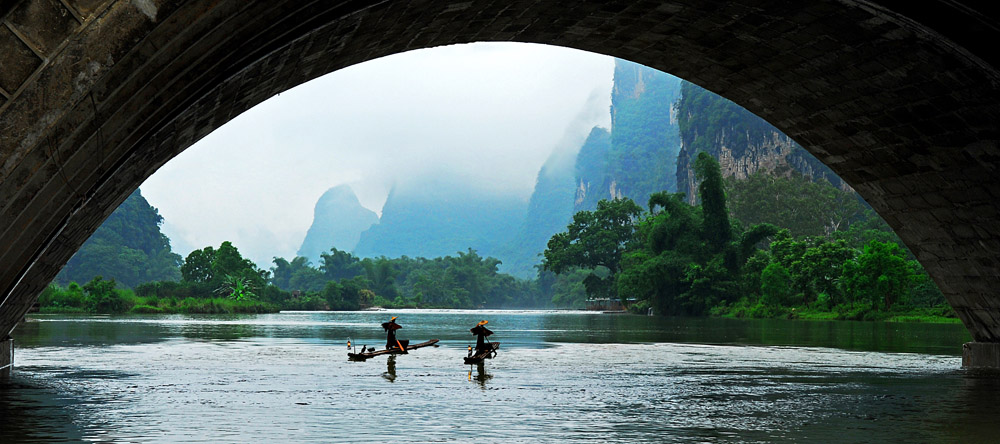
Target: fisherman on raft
(390, 340)
(481, 333)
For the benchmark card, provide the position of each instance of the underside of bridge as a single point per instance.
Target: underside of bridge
(900, 99)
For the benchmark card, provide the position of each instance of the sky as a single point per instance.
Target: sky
(491, 113)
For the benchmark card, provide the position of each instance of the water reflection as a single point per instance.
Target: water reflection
(562, 377)
(43, 410)
(481, 375)
(390, 371)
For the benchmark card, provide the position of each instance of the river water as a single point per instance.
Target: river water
(558, 377)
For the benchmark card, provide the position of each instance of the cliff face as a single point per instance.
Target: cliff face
(639, 156)
(550, 209)
(591, 170)
(338, 221)
(742, 142)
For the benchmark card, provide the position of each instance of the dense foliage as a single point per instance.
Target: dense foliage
(466, 280)
(643, 140)
(127, 247)
(796, 202)
(220, 280)
(696, 260)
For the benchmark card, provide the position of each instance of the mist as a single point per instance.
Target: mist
(486, 115)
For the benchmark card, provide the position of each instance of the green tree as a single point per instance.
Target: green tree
(127, 247)
(102, 297)
(692, 258)
(879, 275)
(775, 285)
(339, 265)
(237, 288)
(213, 267)
(718, 231)
(803, 206)
(595, 239)
(198, 266)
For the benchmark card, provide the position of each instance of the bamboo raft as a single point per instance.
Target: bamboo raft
(486, 354)
(390, 351)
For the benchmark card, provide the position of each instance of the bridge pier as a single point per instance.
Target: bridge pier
(981, 355)
(6, 356)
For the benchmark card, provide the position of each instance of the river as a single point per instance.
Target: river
(558, 377)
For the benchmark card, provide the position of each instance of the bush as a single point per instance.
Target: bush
(113, 302)
(763, 311)
(55, 298)
(146, 309)
(640, 307)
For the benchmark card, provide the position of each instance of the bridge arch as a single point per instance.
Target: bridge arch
(902, 101)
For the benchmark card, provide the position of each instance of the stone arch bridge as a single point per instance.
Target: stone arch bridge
(900, 98)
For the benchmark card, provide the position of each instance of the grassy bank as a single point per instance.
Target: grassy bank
(817, 312)
(75, 299)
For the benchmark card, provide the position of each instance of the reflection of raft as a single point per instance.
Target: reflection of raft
(489, 353)
(394, 350)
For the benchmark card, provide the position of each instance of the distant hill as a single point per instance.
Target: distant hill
(549, 210)
(442, 217)
(338, 221)
(127, 247)
(658, 123)
(637, 157)
(641, 158)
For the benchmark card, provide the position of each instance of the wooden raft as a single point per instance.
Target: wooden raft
(394, 350)
(487, 354)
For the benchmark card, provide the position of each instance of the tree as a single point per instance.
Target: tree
(297, 275)
(236, 288)
(803, 206)
(595, 239)
(879, 275)
(382, 275)
(775, 285)
(198, 266)
(339, 265)
(214, 267)
(102, 296)
(716, 226)
(127, 247)
(692, 257)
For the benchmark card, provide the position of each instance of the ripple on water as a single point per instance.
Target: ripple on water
(286, 378)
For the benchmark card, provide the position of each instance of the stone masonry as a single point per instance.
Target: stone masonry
(899, 98)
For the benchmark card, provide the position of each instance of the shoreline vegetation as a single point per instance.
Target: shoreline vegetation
(138, 305)
(726, 254)
(75, 299)
(810, 252)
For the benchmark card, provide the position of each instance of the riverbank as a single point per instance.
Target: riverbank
(140, 305)
(927, 315)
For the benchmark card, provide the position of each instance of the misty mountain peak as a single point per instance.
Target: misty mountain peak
(338, 221)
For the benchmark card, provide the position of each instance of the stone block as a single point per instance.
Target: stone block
(6, 356)
(17, 60)
(981, 355)
(47, 23)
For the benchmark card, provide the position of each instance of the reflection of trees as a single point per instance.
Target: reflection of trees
(48, 419)
(220, 331)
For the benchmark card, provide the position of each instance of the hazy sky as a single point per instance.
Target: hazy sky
(491, 112)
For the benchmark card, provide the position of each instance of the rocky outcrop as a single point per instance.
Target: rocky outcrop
(640, 155)
(742, 142)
